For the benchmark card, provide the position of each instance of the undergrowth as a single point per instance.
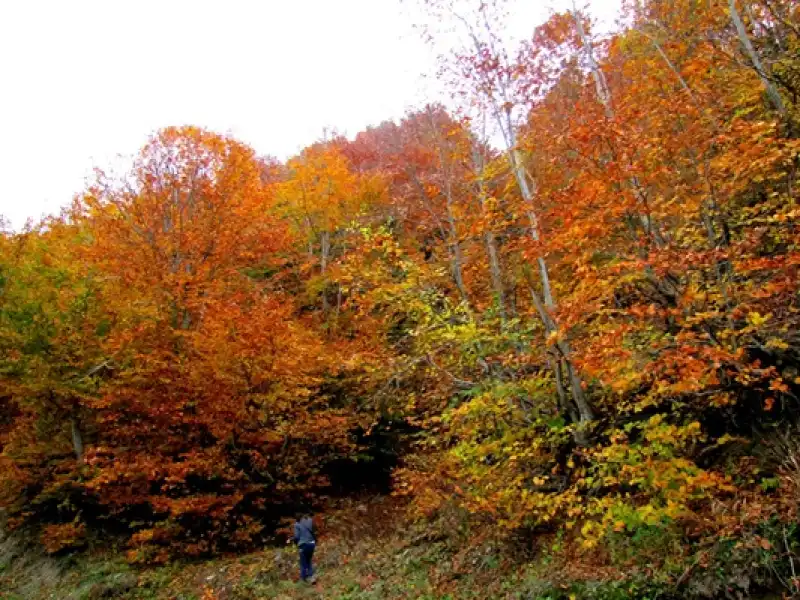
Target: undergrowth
(368, 551)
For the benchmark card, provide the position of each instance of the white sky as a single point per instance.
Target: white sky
(83, 81)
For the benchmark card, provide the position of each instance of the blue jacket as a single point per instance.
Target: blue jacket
(304, 532)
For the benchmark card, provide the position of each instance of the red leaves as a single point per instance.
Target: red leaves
(208, 387)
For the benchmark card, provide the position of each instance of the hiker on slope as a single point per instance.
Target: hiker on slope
(306, 542)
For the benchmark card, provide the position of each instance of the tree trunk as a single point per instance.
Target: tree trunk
(325, 249)
(455, 246)
(311, 235)
(772, 92)
(533, 220)
(600, 83)
(604, 96)
(584, 409)
(564, 405)
(451, 233)
(502, 113)
(585, 412)
(77, 438)
(503, 118)
(495, 270)
(457, 263)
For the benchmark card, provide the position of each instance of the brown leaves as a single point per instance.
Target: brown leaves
(66, 536)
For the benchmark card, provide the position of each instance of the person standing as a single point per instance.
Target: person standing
(306, 540)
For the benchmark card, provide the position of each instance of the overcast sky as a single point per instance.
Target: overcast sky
(82, 81)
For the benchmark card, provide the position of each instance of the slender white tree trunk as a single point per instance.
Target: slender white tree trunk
(772, 92)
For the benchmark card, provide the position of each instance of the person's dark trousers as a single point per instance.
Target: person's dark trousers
(306, 554)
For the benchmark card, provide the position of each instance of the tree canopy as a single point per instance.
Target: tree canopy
(592, 327)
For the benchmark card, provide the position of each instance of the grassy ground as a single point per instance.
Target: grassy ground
(362, 555)
(382, 568)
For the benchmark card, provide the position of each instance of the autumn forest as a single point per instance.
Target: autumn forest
(561, 308)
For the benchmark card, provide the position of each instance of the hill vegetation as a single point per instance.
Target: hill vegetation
(576, 355)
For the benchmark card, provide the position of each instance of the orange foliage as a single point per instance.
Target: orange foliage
(570, 332)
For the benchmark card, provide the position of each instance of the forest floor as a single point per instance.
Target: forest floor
(362, 555)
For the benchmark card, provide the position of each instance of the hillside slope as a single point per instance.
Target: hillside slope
(367, 552)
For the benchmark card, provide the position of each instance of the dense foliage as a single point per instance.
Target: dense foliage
(591, 330)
